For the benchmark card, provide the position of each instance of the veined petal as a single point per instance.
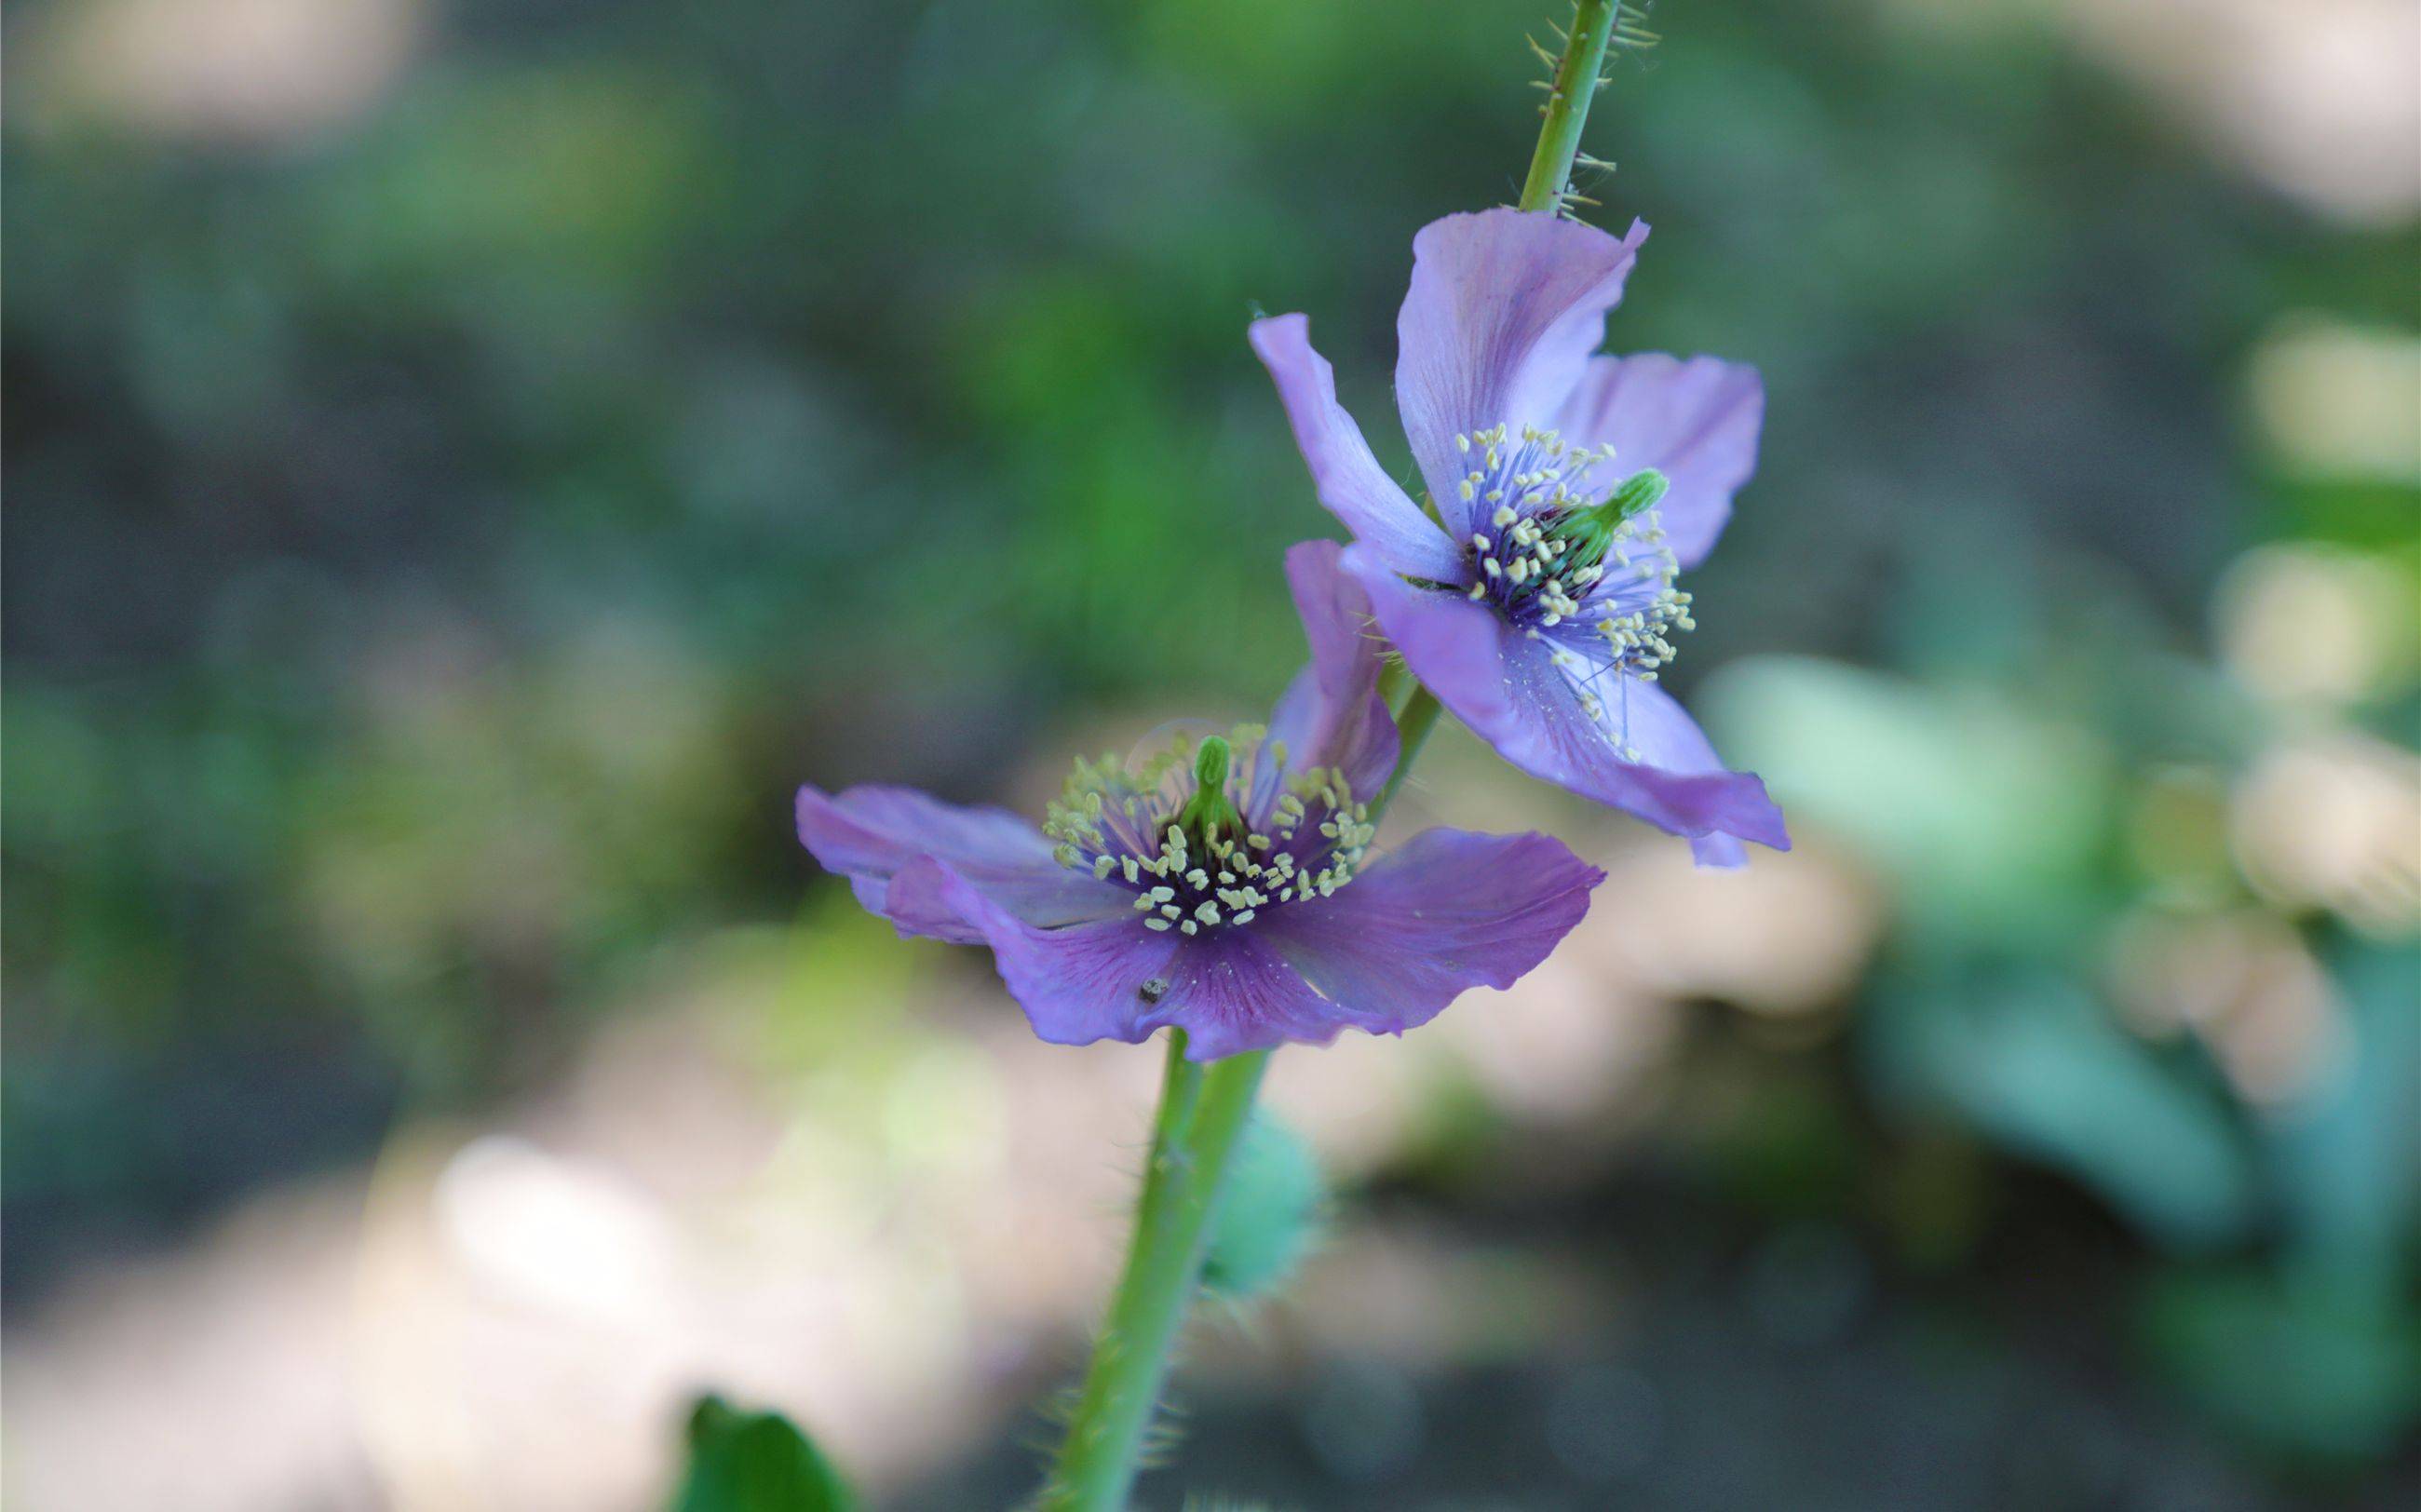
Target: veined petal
(1348, 479)
(1233, 993)
(1719, 852)
(1504, 308)
(1332, 715)
(1695, 421)
(1514, 694)
(1230, 990)
(1097, 980)
(870, 833)
(1679, 762)
(1455, 646)
(1447, 912)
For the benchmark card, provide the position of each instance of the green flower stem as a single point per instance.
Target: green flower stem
(1201, 1115)
(1203, 1111)
(1568, 105)
(1413, 721)
(1551, 171)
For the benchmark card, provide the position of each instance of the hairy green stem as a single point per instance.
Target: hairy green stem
(1202, 1112)
(1568, 105)
(1414, 718)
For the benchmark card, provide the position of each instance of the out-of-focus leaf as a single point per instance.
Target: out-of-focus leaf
(2347, 1155)
(2310, 1366)
(742, 1461)
(2042, 1069)
(1986, 820)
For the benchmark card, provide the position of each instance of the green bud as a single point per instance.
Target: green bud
(1267, 1216)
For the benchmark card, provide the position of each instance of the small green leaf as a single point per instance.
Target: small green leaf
(743, 1461)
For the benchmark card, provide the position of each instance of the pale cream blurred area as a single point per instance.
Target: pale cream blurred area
(835, 1174)
(242, 73)
(2320, 100)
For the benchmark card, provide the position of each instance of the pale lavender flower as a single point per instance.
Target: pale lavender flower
(1228, 887)
(1569, 491)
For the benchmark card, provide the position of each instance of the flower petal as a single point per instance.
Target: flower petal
(1231, 992)
(1504, 308)
(1672, 746)
(1456, 647)
(1115, 979)
(1513, 693)
(1078, 984)
(1446, 911)
(1351, 483)
(1695, 421)
(1332, 715)
(870, 833)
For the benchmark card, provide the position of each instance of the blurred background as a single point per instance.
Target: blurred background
(470, 462)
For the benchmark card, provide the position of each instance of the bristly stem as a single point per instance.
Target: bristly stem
(1567, 103)
(1201, 1115)
(1414, 722)
(1572, 89)
(1203, 1112)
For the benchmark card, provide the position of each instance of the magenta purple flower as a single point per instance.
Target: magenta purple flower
(1228, 885)
(1538, 597)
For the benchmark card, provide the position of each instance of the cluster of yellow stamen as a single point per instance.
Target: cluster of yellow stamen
(1638, 638)
(1553, 553)
(1520, 483)
(1197, 860)
(1525, 555)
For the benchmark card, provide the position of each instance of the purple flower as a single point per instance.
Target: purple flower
(1540, 602)
(1228, 887)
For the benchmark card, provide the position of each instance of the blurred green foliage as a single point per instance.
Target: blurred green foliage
(2058, 897)
(447, 526)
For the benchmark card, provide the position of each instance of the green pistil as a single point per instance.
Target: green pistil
(1590, 532)
(1211, 810)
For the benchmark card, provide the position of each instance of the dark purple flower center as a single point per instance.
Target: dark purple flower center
(1566, 559)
